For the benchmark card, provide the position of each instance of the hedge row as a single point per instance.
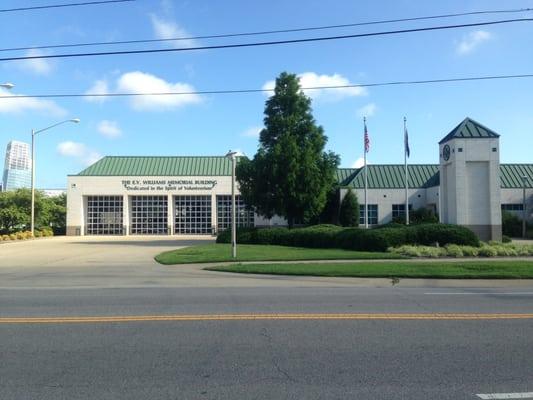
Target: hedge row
(332, 236)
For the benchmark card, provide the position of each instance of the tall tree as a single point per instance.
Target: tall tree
(291, 174)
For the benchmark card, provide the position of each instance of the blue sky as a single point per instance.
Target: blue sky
(212, 124)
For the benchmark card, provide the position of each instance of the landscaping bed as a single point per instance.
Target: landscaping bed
(491, 249)
(25, 235)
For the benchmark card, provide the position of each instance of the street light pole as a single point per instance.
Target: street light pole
(32, 228)
(232, 154)
(524, 211)
(33, 133)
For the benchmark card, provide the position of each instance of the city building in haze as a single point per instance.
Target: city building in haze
(17, 166)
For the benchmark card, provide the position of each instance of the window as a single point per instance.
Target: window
(398, 210)
(192, 215)
(512, 207)
(149, 215)
(245, 216)
(372, 214)
(104, 215)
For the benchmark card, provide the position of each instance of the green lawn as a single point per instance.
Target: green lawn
(250, 252)
(398, 269)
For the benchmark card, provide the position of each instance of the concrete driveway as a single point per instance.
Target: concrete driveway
(94, 251)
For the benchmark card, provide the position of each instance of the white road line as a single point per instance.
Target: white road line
(524, 395)
(480, 293)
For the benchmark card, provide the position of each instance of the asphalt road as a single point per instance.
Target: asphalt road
(265, 359)
(97, 318)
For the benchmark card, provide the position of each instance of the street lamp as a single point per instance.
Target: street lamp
(524, 210)
(232, 154)
(33, 133)
(7, 85)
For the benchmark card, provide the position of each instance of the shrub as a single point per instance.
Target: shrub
(453, 250)
(332, 236)
(38, 234)
(506, 239)
(47, 231)
(12, 236)
(406, 250)
(432, 252)
(422, 215)
(487, 251)
(444, 234)
(373, 239)
(470, 251)
(505, 251)
(512, 225)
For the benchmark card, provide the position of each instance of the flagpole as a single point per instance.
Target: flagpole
(405, 144)
(366, 173)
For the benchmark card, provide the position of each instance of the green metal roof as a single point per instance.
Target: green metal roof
(427, 175)
(511, 175)
(345, 175)
(393, 176)
(159, 166)
(469, 129)
(379, 176)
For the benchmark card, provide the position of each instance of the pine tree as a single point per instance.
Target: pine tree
(349, 212)
(291, 174)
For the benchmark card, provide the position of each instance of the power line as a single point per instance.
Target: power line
(269, 43)
(268, 32)
(236, 91)
(85, 3)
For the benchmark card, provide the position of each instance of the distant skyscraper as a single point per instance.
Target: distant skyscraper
(17, 167)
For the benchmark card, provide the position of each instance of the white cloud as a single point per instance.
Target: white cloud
(109, 129)
(71, 149)
(37, 66)
(367, 111)
(80, 151)
(472, 40)
(166, 29)
(359, 163)
(99, 87)
(311, 79)
(20, 105)
(252, 132)
(140, 82)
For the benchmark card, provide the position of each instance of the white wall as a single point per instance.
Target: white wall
(385, 198)
(470, 182)
(79, 187)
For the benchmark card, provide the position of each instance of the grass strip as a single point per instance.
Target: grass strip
(217, 252)
(408, 269)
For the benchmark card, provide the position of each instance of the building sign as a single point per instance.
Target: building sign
(170, 185)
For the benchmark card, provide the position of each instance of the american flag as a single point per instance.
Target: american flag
(367, 140)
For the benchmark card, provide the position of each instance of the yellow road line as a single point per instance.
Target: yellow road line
(248, 317)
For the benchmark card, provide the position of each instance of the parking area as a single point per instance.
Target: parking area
(93, 251)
